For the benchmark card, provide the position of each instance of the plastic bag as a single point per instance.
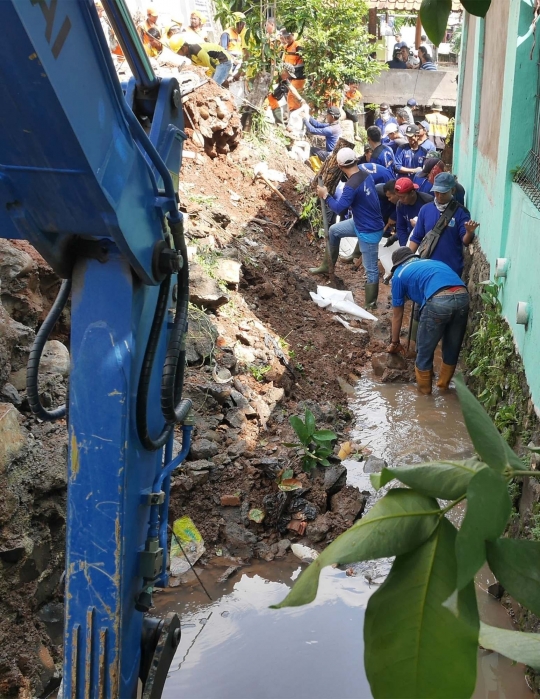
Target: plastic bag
(191, 541)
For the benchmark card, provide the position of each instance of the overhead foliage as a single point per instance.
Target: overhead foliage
(422, 630)
(333, 34)
(435, 13)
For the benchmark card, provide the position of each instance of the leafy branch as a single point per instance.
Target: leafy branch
(422, 627)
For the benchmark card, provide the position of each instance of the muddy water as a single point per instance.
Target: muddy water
(236, 647)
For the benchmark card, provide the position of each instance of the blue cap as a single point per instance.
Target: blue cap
(444, 182)
(411, 103)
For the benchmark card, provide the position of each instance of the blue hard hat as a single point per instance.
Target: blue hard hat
(444, 182)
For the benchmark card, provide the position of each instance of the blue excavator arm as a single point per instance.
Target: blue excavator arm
(91, 182)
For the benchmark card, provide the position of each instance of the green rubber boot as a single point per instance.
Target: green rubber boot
(278, 116)
(323, 269)
(371, 293)
(356, 255)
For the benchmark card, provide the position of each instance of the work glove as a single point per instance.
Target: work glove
(395, 348)
(391, 240)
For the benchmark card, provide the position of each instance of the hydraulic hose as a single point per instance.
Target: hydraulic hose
(174, 409)
(32, 368)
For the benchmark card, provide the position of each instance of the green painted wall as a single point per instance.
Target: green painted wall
(510, 223)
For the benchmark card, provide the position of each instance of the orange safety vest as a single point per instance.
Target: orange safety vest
(293, 56)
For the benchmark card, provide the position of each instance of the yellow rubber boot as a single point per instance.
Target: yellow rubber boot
(445, 375)
(423, 380)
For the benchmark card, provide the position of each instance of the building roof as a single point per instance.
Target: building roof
(407, 5)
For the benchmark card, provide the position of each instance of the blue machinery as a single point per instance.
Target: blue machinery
(88, 175)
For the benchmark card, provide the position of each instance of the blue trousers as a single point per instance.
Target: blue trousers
(443, 317)
(222, 72)
(370, 251)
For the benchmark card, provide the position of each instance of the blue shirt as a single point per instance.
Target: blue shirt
(388, 210)
(419, 280)
(407, 157)
(428, 65)
(424, 185)
(381, 124)
(379, 173)
(428, 145)
(330, 131)
(384, 158)
(405, 212)
(450, 246)
(360, 195)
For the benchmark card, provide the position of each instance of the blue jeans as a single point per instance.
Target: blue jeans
(442, 317)
(222, 72)
(370, 251)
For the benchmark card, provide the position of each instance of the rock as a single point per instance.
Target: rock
(12, 435)
(266, 290)
(198, 477)
(263, 411)
(396, 361)
(296, 526)
(245, 339)
(378, 363)
(55, 359)
(231, 570)
(374, 464)
(318, 529)
(221, 217)
(45, 668)
(11, 395)
(239, 540)
(245, 355)
(12, 555)
(270, 467)
(203, 449)
(235, 418)
(348, 503)
(335, 477)
(346, 387)
(230, 501)
(201, 338)
(283, 545)
(304, 553)
(204, 291)
(221, 393)
(52, 616)
(237, 449)
(228, 271)
(239, 400)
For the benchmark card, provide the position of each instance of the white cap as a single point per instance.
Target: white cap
(390, 128)
(346, 156)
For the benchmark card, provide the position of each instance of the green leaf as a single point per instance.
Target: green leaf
(484, 435)
(310, 423)
(516, 564)
(324, 435)
(516, 645)
(535, 450)
(439, 479)
(478, 8)
(379, 480)
(414, 647)
(488, 509)
(398, 523)
(434, 15)
(300, 429)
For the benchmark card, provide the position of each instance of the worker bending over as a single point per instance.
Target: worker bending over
(331, 130)
(443, 300)
(360, 196)
(210, 56)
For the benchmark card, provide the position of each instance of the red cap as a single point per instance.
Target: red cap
(404, 185)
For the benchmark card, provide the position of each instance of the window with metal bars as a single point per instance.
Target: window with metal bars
(527, 176)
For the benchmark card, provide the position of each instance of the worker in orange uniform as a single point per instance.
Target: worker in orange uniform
(293, 56)
(150, 33)
(352, 98)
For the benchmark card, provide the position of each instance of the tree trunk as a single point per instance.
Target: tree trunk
(330, 171)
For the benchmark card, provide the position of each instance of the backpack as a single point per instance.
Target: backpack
(431, 239)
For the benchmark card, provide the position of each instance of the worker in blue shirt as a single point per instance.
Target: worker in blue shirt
(360, 196)
(379, 173)
(380, 154)
(444, 308)
(410, 159)
(331, 130)
(459, 231)
(423, 136)
(433, 165)
(385, 117)
(409, 206)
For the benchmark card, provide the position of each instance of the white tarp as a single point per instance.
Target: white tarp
(339, 302)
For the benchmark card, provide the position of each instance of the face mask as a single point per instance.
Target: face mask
(440, 207)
